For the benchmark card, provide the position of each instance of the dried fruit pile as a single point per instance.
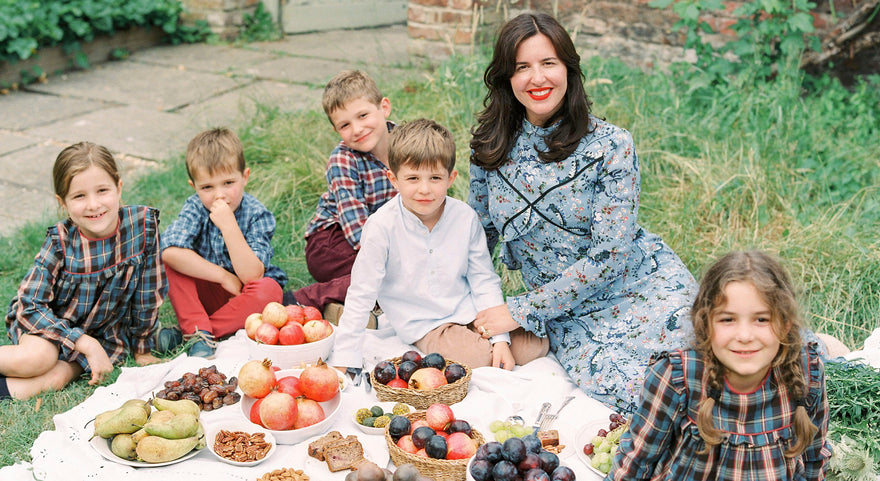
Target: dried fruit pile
(208, 388)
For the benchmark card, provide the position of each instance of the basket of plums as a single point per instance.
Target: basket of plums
(420, 381)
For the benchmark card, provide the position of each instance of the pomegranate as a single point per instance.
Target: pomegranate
(460, 446)
(290, 385)
(278, 411)
(266, 334)
(439, 416)
(316, 330)
(251, 323)
(309, 412)
(256, 378)
(255, 412)
(295, 314)
(319, 382)
(275, 313)
(427, 378)
(312, 313)
(291, 334)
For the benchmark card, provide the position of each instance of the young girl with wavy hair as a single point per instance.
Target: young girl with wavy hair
(747, 401)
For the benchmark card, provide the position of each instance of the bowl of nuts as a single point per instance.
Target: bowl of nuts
(240, 443)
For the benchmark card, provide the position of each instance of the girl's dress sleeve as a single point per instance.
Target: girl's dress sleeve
(613, 232)
(818, 453)
(31, 308)
(653, 426)
(151, 288)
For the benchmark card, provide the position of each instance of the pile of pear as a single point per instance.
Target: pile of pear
(160, 435)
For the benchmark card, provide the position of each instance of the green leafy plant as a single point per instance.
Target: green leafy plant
(853, 390)
(258, 27)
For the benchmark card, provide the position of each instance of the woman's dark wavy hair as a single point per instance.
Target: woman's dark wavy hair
(499, 124)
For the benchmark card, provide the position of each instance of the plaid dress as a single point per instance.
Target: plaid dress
(663, 442)
(110, 289)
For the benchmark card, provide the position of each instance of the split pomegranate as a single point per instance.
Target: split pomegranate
(319, 382)
(256, 378)
(308, 412)
(278, 411)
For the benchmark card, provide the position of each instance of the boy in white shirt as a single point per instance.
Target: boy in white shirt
(424, 258)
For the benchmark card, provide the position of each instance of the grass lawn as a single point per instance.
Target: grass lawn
(767, 167)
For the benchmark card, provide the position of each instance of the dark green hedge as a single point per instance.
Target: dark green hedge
(26, 25)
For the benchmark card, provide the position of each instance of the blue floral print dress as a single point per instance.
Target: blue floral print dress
(606, 292)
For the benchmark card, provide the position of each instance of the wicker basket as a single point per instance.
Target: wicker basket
(448, 394)
(436, 469)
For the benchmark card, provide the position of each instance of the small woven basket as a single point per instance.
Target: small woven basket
(448, 394)
(436, 469)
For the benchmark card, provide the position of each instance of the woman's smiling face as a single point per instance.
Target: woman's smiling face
(539, 79)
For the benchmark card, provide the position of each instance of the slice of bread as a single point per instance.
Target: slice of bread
(343, 453)
(316, 447)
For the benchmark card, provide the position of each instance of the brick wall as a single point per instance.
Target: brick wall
(224, 16)
(628, 29)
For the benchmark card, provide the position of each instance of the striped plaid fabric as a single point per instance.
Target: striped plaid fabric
(357, 185)
(110, 289)
(663, 442)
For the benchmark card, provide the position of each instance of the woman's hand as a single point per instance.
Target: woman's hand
(144, 358)
(99, 362)
(501, 356)
(493, 321)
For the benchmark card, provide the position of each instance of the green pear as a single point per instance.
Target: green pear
(138, 402)
(155, 449)
(161, 416)
(178, 427)
(201, 435)
(177, 407)
(126, 420)
(123, 446)
(138, 435)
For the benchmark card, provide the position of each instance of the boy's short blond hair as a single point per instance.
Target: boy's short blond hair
(419, 143)
(346, 86)
(214, 150)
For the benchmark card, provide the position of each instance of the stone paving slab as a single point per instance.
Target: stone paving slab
(134, 130)
(203, 57)
(298, 70)
(385, 46)
(234, 108)
(10, 143)
(151, 87)
(31, 167)
(22, 110)
(23, 205)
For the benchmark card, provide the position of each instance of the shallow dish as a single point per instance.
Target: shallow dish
(287, 357)
(386, 406)
(244, 426)
(584, 436)
(296, 436)
(102, 446)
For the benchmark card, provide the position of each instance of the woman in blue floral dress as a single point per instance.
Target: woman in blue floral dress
(559, 189)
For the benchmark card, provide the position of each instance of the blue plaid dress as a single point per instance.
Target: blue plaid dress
(663, 441)
(110, 289)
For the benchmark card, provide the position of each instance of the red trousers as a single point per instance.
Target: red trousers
(329, 258)
(206, 306)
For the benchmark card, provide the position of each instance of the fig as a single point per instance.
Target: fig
(549, 461)
(406, 472)
(514, 450)
(399, 426)
(413, 356)
(454, 372)
(434, 360)
(536, 474)
(533, 444)
(406, 369)
(481, 470)
(562, 473)
(436, 447)
(422, 435)
(504, 470)
(384, 372)
(461, 426)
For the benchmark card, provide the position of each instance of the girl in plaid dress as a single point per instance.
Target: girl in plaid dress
(747, 402)
(93, 294)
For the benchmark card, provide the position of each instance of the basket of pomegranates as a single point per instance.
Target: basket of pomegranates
(288, 335)
(437, 443)
(420, 381)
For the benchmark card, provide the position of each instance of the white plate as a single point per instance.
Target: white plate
(244, 426)
(586, 435)
(102, 446)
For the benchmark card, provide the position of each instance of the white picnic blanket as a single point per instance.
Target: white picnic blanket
(65, 453)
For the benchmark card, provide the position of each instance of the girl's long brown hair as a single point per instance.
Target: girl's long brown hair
(774, 286)
(499, 124)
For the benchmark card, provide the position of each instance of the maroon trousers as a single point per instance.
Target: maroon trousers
(329, 258)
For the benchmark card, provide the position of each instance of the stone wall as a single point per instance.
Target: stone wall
(225, 17)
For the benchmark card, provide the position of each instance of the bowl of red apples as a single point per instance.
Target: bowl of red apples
(289, 335)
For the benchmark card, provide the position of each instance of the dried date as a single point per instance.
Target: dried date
(208, 388)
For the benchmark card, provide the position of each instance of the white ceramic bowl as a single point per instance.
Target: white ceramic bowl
(386, 406)
(288, 357)
(296, 436)
(243, 426)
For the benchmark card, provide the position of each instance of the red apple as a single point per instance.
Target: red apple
(267, 334)
(406, 443)
(312, 313)
(275, 313)
(315, 330)
(295, 313)
(290, 385)
(291, 334)
(278, 411)
(398, 382)
(418, 424)
(422, 453)
(427, 378)
(439, 416)
(460, 446)
(251, 323)
(310, 412)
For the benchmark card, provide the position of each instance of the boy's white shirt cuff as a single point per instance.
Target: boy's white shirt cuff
(500, 338)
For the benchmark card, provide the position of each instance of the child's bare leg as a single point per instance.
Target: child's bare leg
(32, 356)
(55, 379)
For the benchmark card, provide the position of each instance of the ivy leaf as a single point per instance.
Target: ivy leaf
(23, 47)
(801, 22)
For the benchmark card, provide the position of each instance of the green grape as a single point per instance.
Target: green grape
(519, 430)
(502, 435)
(597, 440)
(605, 447)
(599, 460)
(496, 426)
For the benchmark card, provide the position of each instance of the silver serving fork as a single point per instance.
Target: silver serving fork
(548, 419)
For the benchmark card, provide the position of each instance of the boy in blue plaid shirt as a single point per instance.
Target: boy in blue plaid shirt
(217, 253)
